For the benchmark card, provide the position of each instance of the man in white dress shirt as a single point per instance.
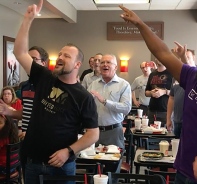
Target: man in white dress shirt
(113, 99)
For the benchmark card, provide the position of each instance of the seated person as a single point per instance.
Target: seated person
(8, 135)
(9, 97)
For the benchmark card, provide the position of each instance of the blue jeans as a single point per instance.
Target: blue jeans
(181, 179)
(32, 172)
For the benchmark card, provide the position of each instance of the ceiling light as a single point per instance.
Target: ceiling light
(121, 1)
(17, 3)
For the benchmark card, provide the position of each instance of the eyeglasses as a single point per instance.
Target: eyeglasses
(107, 63)
(7, 94)
(36, 59)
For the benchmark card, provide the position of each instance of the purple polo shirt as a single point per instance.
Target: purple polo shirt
(188, 141)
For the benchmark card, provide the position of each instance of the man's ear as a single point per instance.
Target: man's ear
(78, 64)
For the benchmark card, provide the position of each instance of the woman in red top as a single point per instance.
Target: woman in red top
(8, 135)
(9, 97)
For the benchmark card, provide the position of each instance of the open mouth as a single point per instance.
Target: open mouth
(59, 63)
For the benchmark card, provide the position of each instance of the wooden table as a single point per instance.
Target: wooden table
(165, 162)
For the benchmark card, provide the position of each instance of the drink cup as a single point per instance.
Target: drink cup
(175, 145)
(145, 122)
(103, 179)
(139, 113)
(137, 123)
(158, 124)
(164, 147)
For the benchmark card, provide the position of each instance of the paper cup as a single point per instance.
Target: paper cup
(164, 147)
(139, 113)
(145, 123)
(158, 123)
(175, 146)
(137, 123)
(103, 179)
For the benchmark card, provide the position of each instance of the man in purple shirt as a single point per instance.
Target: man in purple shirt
(187, 77)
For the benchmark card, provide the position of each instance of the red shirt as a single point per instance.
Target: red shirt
(17, 105)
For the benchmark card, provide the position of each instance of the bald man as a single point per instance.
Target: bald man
(139, 84)
(112, 95)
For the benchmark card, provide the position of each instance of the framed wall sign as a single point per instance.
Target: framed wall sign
(11, 72)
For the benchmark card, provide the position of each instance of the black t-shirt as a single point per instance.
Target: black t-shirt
(58, 112)
(85, 72)
(159, 80)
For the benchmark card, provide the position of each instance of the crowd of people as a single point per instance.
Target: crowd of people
(54, 105)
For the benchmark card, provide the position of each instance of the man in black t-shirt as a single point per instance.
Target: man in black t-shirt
(158, 88)
(60, 106)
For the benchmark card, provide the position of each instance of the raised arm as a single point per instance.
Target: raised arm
(21, 43)
(181, 52)
(154, 43)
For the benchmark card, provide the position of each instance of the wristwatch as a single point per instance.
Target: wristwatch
(104, 102)
(70, 151)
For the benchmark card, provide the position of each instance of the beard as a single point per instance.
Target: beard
(61, 72)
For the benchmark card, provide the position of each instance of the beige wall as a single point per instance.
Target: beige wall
(89, 33)
(10, 22)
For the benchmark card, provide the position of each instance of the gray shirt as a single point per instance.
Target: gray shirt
(178, 93)
(117, 92)
(140, 84)
(88, 79)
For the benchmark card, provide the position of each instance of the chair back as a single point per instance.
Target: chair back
(87, 179)
(129, 154)
(135, 178)
(91, 169)
(13, 164)
(128, 148)
(152, 143)
(170, 175)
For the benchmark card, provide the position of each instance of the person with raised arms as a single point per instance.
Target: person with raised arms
(187, 77)
(61, 105)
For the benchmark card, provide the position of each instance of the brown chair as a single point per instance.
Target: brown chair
(13, 165)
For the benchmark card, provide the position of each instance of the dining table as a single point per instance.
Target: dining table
(111, 162)
(164, 163)
(137, 136)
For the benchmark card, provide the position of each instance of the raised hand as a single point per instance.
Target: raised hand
(33, 10)
(4, 108)
(129, 16)
(180, 50)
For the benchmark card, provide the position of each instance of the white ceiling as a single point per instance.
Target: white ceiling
(67, 9)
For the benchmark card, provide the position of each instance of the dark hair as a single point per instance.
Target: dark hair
(192, 51)
(9, 131)
(80, 55)
(43, 53)
(90, 59)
